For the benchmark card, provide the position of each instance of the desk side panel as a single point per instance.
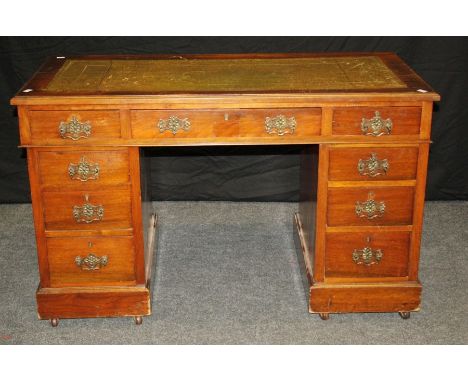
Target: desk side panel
(148, 216)
(308, 203)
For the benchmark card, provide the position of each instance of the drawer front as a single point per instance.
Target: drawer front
(373, 163)
(89, 261)
(154, 124)
(260, 123)
(280, 123)
(367, 254)
(83, 169)
(82, 210)
(376, 121)
(369, 206)
(74, 127)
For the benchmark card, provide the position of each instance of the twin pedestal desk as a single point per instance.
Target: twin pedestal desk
(363, 121)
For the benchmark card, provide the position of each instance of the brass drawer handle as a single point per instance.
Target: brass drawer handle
(87, 213)
(74, 129)
(370, 209)
(376, 126)
(367, 256)
(373, 166)
(84, 170)
(280, 125)
(174, 124)
(91, 262)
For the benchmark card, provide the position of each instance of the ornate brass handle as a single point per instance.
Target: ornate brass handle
(280, 125)
(370, 209)
(74, 129)
(84, 170)
(91, 262)
(376, 125)
(373, 166)
(174, 124)
(87, 213)
(367, 256)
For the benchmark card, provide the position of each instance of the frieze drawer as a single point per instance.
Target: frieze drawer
(74, 127)
(374, 122)
(244, 123)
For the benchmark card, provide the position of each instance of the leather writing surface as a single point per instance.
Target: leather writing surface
(224, 75)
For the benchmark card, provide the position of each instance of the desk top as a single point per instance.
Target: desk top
(322, 75)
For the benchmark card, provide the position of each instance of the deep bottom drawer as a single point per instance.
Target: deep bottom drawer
(90, 261)
(367, 254)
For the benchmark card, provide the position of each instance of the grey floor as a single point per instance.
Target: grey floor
(228, 274)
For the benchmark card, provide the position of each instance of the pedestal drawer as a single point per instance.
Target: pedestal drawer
(376, 121)
(373, 163)
(367, 254)
(90, 261)
(365, 206)
(83, 169)
(87, 210)
(74, 127)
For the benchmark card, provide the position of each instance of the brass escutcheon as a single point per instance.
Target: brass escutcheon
(74, 129)
(83, 170)
(370, 209)
(280, 125)
(91, 262)
(367, 256)
(174, 124)
(376, 125)
(373, 166)
(87, 213)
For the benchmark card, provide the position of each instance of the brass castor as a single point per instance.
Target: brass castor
(404, 315)
(54, 322)
(138, 320)
(324, 316)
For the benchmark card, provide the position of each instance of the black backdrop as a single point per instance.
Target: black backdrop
(247, 173)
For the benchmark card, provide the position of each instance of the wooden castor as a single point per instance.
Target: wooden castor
(138, 320)
(324, 316)
(54, 322)
(404, 315)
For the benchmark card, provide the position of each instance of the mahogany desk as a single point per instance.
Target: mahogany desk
(363, 119)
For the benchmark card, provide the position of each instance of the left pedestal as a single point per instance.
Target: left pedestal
(95, 232)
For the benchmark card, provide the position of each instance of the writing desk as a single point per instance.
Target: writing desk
(363, 119)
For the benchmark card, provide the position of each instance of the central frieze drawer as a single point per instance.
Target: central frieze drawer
(87, 210)
(366, 206)
(83, 169)
(74, 127)
(91, 261)
(274, 123)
